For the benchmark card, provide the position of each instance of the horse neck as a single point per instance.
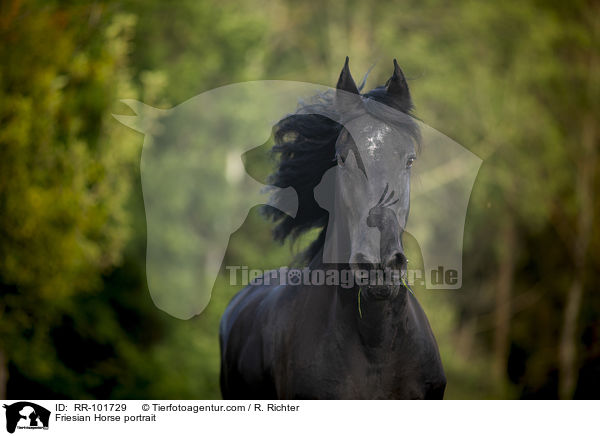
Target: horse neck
(378, 323)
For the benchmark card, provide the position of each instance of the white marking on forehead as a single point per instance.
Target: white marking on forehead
(375, 139)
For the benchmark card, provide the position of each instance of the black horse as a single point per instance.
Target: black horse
(325, 341)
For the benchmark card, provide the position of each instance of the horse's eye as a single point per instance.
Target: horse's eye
(409, 162)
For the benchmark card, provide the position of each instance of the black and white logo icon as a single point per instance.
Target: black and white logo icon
(26, 415)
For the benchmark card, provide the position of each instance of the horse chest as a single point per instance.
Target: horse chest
(347, 370)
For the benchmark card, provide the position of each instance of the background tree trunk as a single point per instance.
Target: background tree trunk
(502, 307)
(584, 191)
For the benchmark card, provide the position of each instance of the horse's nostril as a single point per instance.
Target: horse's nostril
(396, 261)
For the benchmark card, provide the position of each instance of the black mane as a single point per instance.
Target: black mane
(305, 149)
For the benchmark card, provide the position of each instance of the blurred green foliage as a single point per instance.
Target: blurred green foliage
(517, 83)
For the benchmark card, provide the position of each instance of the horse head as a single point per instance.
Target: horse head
(374, 153)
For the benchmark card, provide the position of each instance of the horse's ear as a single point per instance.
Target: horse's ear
(346, 82)
(347, 95)
(396, 86)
